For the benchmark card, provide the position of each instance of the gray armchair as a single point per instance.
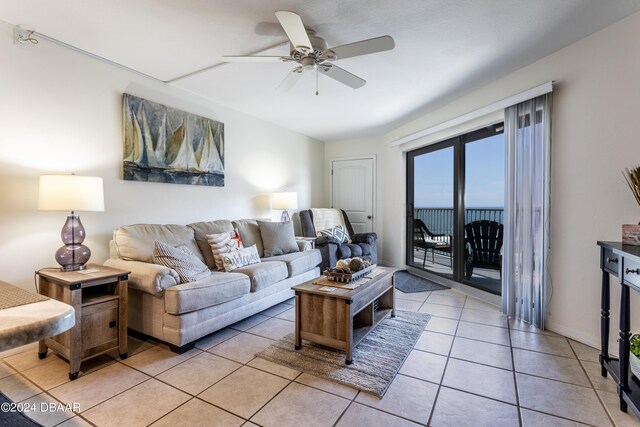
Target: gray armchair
(363, 245)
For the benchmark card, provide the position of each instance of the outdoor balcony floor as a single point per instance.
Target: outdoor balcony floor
(483, 278)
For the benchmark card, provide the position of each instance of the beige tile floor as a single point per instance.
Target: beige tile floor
(470, 367)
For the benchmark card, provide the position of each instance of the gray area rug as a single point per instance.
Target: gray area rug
(409, 283)
(13, 418)
(376, 360)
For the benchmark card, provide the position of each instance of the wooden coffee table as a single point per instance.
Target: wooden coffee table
(342, 318)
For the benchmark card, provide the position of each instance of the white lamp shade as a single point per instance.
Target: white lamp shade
(284, 200)
(70, 193)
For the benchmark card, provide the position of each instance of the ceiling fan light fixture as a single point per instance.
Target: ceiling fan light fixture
(308, 62)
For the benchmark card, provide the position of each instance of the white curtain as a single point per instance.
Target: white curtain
(527, 129)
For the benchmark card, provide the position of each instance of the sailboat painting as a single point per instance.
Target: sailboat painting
(162, 144)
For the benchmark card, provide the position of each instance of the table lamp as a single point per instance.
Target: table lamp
(285, 200)
(71, 193)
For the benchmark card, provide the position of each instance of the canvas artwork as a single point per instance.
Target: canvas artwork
(162, 144)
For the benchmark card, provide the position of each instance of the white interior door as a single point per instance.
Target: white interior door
(352, 189)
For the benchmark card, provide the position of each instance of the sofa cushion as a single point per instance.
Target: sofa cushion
(242, 257)
(136, 242)
(299, 262)
(366, 248)
(250, 234)
(264, 274)
(343, 251)
(216, 289)
(356, 250)
(188, 266)
(278, 238)
(201, 229)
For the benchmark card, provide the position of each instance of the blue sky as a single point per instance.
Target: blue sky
(484, 172)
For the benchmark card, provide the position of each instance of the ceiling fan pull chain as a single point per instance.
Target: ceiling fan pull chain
(317, 81)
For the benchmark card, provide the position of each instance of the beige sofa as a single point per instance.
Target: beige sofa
(180, 314)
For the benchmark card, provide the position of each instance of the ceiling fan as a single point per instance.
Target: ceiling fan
(310, 52)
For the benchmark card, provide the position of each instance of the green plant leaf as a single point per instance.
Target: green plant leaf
(634, 345)
(632, 177)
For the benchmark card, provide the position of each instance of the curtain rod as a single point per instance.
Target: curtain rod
(94, 56)
(500, 105)
(19, 33)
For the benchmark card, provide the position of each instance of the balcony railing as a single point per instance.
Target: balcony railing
(440, 220)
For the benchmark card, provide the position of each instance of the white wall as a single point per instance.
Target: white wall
(60, 111)
(595, 136)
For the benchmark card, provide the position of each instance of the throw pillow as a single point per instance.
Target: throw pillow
(182, 260)
(249, 233)
(240, 258)
(278, 238)
(222, 243)
(338, 233)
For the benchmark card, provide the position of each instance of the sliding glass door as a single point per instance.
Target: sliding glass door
(484, 207)
(432, 201)
(455, 195)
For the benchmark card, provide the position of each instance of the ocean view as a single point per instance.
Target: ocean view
(440, 220)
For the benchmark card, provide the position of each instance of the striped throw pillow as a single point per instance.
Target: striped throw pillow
(222, 243)
(182, 260)
(338, 233)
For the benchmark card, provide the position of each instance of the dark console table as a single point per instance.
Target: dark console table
(623, 261)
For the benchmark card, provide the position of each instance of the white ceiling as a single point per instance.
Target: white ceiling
(444, 48)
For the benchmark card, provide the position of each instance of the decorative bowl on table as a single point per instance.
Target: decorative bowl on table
(340, 276)
(348, 270)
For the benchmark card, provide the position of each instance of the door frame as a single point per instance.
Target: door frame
(458, 143)
(458, 202)
(374, 157)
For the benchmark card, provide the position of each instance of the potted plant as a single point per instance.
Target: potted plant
(631, 232)
(634, 355)
(632, 176)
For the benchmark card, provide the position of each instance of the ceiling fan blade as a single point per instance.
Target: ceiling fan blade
(363, 47)
(293, 26)
(232, 58)
(343, 76)
(290, 80)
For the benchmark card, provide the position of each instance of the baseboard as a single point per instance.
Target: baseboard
(581, 337)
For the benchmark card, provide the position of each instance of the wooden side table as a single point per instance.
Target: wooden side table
(99, 298)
